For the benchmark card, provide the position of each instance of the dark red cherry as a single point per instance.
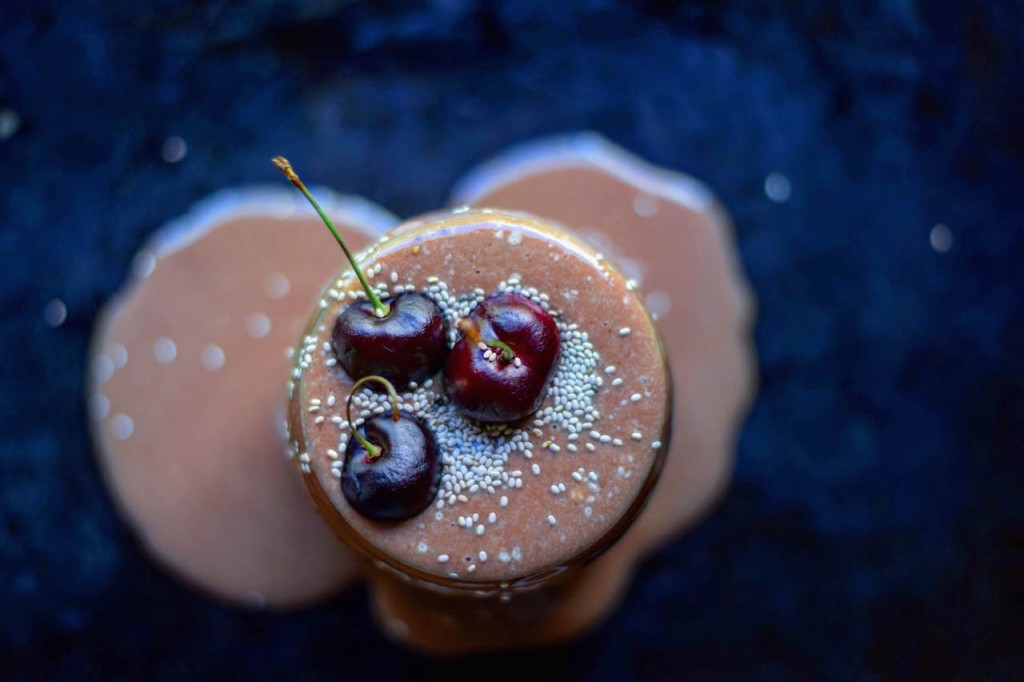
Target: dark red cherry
(501, 366)
(392, 468)
(401, 481)
(408, 343)
(401, 338)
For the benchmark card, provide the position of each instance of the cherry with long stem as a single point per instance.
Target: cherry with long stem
(402, 338)
(372, 451)
(380, 308)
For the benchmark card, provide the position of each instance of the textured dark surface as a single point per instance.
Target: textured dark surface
(875, 528)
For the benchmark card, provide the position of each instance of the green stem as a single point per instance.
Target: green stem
(380, 309)
(507, 354)
(372, 451)
(472, 332)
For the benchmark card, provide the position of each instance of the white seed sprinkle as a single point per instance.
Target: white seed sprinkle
(99, 406)
(636, 435)
(258, 325)
(102, 368)
(552, 520)
(636, 397)
(442, 558)
(625, 331)
(119, 355)
(121, 426)
(212, 357)
(164, 350)
(590, 447)
(55, 313)
(277, 286)
(503, 501)
(535, 469)
(480, 529)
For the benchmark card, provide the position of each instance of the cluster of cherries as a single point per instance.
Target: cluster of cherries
(497, 372)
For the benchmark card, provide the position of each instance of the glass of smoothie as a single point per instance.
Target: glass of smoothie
(480, 405)
(212, 313)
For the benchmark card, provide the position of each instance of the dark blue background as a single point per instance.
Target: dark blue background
(875, 528)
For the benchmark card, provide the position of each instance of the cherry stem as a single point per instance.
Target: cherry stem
(472, 332)
(380, 309)
(372, 451)
(507, 354)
